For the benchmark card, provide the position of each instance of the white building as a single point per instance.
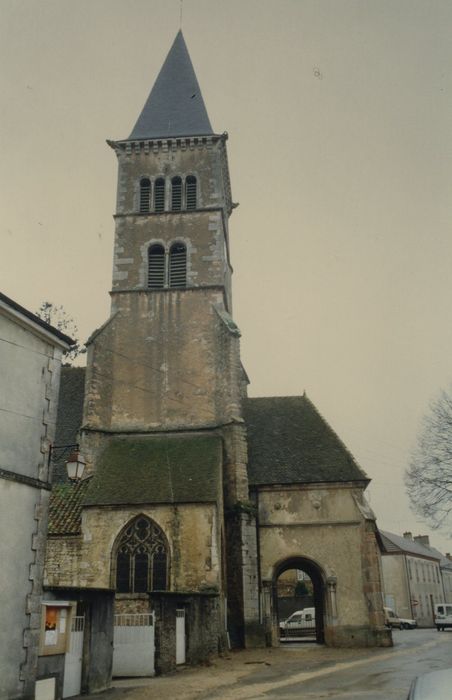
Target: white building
(412, 576)
(30, 360)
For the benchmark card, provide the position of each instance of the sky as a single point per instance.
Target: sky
(338, 114)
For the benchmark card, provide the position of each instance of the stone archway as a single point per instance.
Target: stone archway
(318, 578)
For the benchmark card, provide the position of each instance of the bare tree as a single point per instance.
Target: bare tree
(59, 318)
(429, 476)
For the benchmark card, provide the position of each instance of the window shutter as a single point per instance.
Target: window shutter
(145, 195)
(178, 265)
(156, 267)
(190, 192)
(159, 195)
(176, 194)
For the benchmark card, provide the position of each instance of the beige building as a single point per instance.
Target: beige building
(197, 498)
(412, 577)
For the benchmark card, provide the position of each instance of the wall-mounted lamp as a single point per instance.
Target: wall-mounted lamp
(75, 464)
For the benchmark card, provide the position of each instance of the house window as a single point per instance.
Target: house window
(141, 558)
(159, 195)
(156, 267)
(145, 195)
(178, 265)
(190, 192)
(176, 194)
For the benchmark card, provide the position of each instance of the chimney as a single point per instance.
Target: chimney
(448, 555)
(423, 539)
(408, 535)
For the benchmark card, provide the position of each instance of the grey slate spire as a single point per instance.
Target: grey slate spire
(175, 106)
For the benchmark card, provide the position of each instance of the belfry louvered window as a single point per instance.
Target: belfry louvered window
(145, 195)
(178, 265)
(156, 267)
(159, 195)
(176, 194)
(191, 192)
(141, 558)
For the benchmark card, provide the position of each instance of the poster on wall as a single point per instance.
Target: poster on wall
(51, 634)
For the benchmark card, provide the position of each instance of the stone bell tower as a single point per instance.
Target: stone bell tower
(163, 429)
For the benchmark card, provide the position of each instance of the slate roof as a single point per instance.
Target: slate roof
(160, 469)
(69, 417)
(175, 106)
(289, 442)
(397, 544)
(32, 317)
(65, 507)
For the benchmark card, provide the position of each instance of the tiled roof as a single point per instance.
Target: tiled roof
(65, 507)
(289, 442)
(69, 417)
(403, 545)
(168, 469)
(175, 106)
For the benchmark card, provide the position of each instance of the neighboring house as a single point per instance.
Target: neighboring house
(30, 359)
(412, 576)
(446, 574)
(197, 498)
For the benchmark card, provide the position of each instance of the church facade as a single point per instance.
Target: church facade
(196, 496)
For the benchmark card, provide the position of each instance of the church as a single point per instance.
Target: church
(196, 498)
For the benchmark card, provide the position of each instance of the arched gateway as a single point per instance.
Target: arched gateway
(318, 594)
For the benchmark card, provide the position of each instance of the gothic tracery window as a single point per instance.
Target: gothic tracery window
(141, 558)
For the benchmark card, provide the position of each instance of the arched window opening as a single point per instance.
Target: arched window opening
(178, 265)
(191, 192)
(141, 558)
(159, 195)
(145, 195)
(156, 267)
(176, 194)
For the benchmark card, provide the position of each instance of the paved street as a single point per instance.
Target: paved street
(303, 671)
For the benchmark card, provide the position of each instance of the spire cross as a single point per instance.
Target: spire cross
(180, 13)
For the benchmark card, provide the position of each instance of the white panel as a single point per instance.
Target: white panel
(45, 689)
(180, 636)
(133, 645)
(73, 660)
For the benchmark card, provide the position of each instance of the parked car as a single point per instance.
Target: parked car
(443, 616)
(391, 619)
(301, 622)
(435, 685)
(407, 623)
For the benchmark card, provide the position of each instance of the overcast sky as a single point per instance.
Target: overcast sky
(338, 113)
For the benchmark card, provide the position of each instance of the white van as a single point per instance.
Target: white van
(443, 616)
(299, 623)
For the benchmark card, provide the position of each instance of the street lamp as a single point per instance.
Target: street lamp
(75, 465)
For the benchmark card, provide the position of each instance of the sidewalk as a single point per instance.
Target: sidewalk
(244, 666)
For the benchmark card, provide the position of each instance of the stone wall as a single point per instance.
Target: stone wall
(325, 526)
(192, 531)
(204, 628)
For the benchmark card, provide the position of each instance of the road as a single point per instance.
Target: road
(386, 675)
(305, 672)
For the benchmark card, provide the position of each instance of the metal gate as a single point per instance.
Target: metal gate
(73, 659)
(180, 636)
(133, 645)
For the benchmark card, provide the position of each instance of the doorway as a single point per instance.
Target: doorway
(298, 598)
